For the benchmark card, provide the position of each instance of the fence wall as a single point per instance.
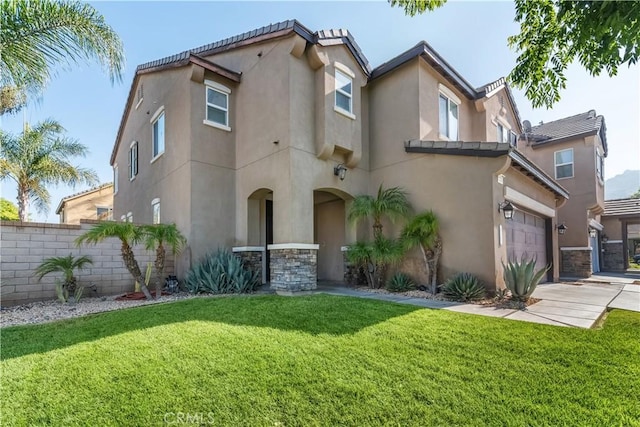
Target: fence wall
(24, 245)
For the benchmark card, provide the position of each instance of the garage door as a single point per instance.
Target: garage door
(526, 235)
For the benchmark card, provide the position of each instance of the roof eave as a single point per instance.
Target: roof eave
(537, 174)
(564, 138)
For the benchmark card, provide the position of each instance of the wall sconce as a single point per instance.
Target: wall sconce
(604, 238)
(340, 171)
(561, 228)
(507, 209)
(593, 233)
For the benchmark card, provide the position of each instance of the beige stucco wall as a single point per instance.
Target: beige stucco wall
(586, 200)
(612, 228)
(85, 206)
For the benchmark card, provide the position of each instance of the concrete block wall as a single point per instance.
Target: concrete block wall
(23, 247)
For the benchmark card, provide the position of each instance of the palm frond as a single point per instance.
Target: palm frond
(165, 234)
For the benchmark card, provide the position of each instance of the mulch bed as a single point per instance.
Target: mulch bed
(137, 296)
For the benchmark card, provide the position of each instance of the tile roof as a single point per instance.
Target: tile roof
(621, 207)
(582, 124)
(488, 149)
(82, 193)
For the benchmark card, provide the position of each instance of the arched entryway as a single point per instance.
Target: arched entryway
(330, 232)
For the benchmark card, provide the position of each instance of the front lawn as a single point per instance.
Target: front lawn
(317, 360)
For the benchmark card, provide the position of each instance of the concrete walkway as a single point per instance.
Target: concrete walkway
(561, 304)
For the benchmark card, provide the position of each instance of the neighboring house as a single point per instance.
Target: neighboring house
(95, 203)
(621, 238)
(261, 141)
(572, 150)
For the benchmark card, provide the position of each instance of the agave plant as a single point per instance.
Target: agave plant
(221, 273)
(400, 282)
(521, 278)
(65, 265)
(464, 287)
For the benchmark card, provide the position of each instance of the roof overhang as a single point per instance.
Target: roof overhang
(491, 150)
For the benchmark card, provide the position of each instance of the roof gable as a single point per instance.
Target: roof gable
(579, 125)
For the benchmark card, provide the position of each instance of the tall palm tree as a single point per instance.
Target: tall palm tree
(129, 234)
(37, 35)
(391, 203)
(157, 236)
(422, 231)
(38, 157)
(65, 265)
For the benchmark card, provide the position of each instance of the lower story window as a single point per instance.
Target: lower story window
(155, 204)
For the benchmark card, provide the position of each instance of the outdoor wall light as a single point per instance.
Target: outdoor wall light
(561, 228)
(507, 209)
(340, 171)
(593, 233)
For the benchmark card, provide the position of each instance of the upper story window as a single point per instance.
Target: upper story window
(344, 92)
(448, 117)
(133, 160)
(157, 122)
(513, 139)
(155, 208)
(600, 166)
(217, 105)
(564, 163)
(503, 133)
(115, 178)
(103, 212)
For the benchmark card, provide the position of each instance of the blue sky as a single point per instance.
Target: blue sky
(471, 36)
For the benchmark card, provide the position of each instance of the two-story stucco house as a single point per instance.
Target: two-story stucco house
(572, 150)
(261, 141)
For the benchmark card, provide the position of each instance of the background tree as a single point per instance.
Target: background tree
(636, 195)
(8, 211)
(601, 35)
(422, 231)
(38, 157)
(129, 234)
(158, 237)
(37, 35)
(391, 203)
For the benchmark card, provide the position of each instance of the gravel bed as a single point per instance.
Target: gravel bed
(410, 294)
(49, 311)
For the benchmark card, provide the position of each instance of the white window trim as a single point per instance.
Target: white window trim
(133, 143)
(155, 202)
(598, 175)
(349, 95)
(115, 179)
(159, 111)
(455, 101)
(210, 84)
(449, 93)
(572, 163)
(344, 69)
(153, 120)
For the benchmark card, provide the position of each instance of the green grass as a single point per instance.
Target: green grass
(317, 360)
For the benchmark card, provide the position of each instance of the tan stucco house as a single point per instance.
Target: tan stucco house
(261, 141)
(95, 203)
(572, 150)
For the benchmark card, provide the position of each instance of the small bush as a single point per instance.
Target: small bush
(521, 278)
(221, 273)
(464, 287)
(400, 282)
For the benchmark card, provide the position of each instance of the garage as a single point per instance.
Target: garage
(526, 235)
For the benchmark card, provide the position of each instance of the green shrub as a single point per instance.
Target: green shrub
(521, 279)
(464, 287)
(400, 282)
(221, 273)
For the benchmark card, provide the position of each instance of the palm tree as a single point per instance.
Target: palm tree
(391, 203)
(373, 258)
(129, 234)
(65, 265)
(158, 236)
(37, 35)
(38, 157)
(422, 231)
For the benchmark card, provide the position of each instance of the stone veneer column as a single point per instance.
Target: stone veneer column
(294, 267)
(613, 256)
(252, 257)
(576, 262)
